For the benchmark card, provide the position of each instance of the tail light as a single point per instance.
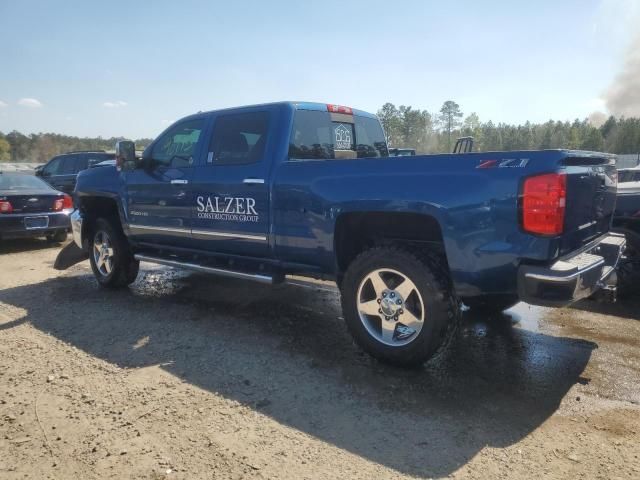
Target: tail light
(5, 206)
(67, 202)
(543, 203)
(63, 203)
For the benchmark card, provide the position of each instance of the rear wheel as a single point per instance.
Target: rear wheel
(111, 259)
(399, 305)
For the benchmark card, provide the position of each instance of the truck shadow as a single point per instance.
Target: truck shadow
(26, 245)
(625, 307)
(285, 352)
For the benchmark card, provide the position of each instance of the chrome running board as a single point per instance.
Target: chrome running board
(201, 268)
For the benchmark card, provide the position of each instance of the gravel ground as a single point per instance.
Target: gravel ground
(185, 376)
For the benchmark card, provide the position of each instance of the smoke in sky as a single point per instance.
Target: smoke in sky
(623, 95)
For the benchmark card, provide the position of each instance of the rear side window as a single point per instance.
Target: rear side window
(68, 165)
(322, 135)
(239, 139)
(81, 163)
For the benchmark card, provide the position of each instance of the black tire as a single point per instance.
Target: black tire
(123, 267)
(58, 237)
(430, 276)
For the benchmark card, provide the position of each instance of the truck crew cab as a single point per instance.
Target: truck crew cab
(264, 191)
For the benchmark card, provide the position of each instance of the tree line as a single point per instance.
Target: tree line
(40, 147)
(405, 126)
(435, 133)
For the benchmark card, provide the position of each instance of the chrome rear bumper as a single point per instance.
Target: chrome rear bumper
(573, 277)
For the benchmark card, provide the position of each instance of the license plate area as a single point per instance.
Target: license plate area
(34, 223)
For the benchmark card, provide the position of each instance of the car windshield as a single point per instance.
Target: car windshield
(21, 182)
(631, 175)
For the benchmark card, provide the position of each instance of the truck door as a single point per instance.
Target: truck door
(230, 208)
(159, 194)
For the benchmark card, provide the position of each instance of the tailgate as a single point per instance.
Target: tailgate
(591, 199)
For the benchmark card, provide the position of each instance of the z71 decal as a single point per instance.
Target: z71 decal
(233, 209)
(505, 163)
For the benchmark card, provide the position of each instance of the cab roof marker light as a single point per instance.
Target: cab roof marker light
(339, 109)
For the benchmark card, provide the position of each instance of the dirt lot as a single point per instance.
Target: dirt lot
(187, 376)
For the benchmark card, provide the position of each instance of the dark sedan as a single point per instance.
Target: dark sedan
(29, 207)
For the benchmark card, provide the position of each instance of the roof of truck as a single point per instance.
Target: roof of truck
(322, 107)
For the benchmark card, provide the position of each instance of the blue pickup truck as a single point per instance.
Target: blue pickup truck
(267, 191)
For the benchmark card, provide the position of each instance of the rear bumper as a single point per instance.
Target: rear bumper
(572, 277)
(13, 225)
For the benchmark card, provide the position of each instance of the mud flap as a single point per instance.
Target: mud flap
(69, 256)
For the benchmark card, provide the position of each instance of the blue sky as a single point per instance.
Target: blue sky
(130, 68)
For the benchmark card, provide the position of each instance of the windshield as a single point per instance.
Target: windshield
(22, 182)
(321, 135)
(629, 176)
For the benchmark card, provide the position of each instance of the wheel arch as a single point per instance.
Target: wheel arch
(358, 231)
(94, 207)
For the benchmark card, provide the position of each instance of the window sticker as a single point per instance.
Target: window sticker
(343, 136)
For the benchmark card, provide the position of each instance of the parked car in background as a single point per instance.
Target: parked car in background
(61, 171)
(30, 207)
(627, 221)
(402, 152)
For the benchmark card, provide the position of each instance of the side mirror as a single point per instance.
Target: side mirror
(38, 171)
(126, 155)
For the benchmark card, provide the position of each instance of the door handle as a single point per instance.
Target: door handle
(179, 182)
(253, 181)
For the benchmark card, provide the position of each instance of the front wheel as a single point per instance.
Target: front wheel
(111, 259)
(399, 305)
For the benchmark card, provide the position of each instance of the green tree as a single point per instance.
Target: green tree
(593, 140)
(450, 115)
(5, 150)
(391, 122)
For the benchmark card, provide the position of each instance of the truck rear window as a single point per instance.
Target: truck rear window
(321, 135)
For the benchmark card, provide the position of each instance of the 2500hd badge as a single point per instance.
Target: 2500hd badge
(238, 209)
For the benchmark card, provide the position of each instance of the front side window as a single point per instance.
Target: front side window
(319, 135)
(176, 147)
(239, 139)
